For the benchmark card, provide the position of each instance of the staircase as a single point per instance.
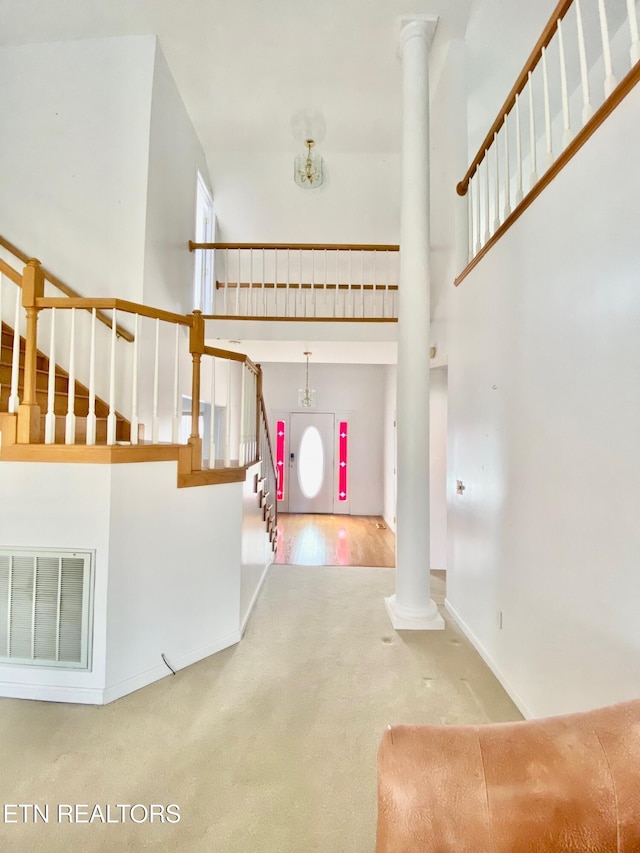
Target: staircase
(61, 397)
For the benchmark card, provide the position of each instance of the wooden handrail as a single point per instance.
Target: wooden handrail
(626, 85)
(60, 285)
(329, 247)
(9, 271)
(230, 355)
(547, 34)
(110, 303)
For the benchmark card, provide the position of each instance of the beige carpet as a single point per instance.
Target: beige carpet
(268, 746)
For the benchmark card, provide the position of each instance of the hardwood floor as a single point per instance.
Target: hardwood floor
(334, 540)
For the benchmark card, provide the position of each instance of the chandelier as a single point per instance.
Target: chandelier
(307, 397)
(308, 170)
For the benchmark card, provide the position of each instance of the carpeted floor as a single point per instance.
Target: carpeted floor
(268, 746)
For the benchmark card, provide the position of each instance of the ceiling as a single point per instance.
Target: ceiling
(246, 68)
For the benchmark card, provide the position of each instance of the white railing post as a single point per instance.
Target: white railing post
(496, 185)
(566, 124)
(634, 50)
(135, 421)
(14, 399)
(287, 311)
(478, 191)
(587, 109)
(212, 419)
(226, 282)
(250, 308)
(177, 407)
(243, 416)
(507, 171)
(610, 81)
(91, 416)
(487, 231)
(238, 276)
(324, 288)
(532, 136)
(227, 431)
(111, 418)
(518, 153)
(50, 418)
(547, 109)
(361, 283)
(70, 422)
(264, 290)
(349, 290)
(155, 421)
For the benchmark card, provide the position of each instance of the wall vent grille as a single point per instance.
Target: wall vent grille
(45, 608)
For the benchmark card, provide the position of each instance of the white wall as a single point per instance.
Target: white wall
(59, 506)
(174, 568)
(257, 199)
(73, 158)
(174, 574)
(544, 431)
(354, 389)
(175, 156)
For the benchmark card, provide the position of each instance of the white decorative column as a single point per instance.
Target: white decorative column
(412, 607)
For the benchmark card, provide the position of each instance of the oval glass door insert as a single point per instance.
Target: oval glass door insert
(310, 462)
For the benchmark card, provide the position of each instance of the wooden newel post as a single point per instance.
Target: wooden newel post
(28, 430)
(196, 347)
(258, 412)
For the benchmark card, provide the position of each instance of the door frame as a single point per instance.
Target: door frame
(339, 507)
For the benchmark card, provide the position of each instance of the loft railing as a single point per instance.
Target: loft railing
(304, 281)
(49, 344)
(565, 90)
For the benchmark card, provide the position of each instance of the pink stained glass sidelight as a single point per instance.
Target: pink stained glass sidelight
(280, 437)
(342, 461)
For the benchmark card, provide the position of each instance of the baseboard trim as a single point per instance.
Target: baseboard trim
(52, 693)
(143, 679)
(515, 697)
(254, 598)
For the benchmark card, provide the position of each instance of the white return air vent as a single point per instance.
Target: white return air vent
(45, 608)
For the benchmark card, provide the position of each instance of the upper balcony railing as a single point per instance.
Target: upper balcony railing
(565, 91)
(302, 281)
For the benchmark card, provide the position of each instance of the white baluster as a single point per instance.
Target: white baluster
(532, 136)
(155, 420)
(264, 290)
(547, 109)
(487, 232)
(470, 209)
(238, 277)
(587, 109)
(313, 282)
(91, 416)
(634, 50)
(478, 226)
(243, 417)
(374, 292)
(349, 290)
(566, 124)
(610, 81)
(70, 422)
(518, 153)
(324, 288)
(135, 421)
(227, 431)
(362, 284)
(287, 310)
(50, 419)
(226, 282)
(507, 172)
(212, 419)
(14, 398)
(275, 283)
(496, 186)
(177, 406)
(111, 418)
(250, 309)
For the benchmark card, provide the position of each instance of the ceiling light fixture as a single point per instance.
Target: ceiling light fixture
(306, 397)
(308, 170)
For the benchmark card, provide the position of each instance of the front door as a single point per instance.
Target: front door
(311, 463)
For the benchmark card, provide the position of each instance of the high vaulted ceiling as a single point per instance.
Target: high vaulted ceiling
(245, 68)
